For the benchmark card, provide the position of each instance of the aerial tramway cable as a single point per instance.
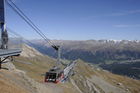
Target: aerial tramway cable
(30, 23)
(39, 31)
(23, 39)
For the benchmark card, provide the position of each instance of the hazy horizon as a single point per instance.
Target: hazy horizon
(82, 40)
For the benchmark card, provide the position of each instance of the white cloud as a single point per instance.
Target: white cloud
(126, 25)
(125, 13)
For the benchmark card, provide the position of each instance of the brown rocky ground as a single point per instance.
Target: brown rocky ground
(88, 79)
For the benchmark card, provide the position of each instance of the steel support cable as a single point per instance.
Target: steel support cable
(26, 21)
(13, 32)
(27, 18)
(16, 37)
(39, 31)
(31, 26)
(30, 23)
(23, 39)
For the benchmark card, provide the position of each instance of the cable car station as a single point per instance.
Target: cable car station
(5, 51)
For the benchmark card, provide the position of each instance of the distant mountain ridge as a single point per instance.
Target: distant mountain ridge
(94, 51)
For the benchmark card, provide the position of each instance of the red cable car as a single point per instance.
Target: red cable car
(55, 75)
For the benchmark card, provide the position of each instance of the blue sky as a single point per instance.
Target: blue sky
(78, 19)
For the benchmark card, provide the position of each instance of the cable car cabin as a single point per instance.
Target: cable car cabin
(55, 75)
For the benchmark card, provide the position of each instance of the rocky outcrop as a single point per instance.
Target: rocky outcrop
(29, 51)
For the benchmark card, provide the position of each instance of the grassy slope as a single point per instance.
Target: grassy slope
(131, 84)
(83, 71)
(37, 68)
(7, 86)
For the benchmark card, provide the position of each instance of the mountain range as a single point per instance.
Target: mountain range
(119, 57)
(93, 51)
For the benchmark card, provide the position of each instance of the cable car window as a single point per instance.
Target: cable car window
(51, 75)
